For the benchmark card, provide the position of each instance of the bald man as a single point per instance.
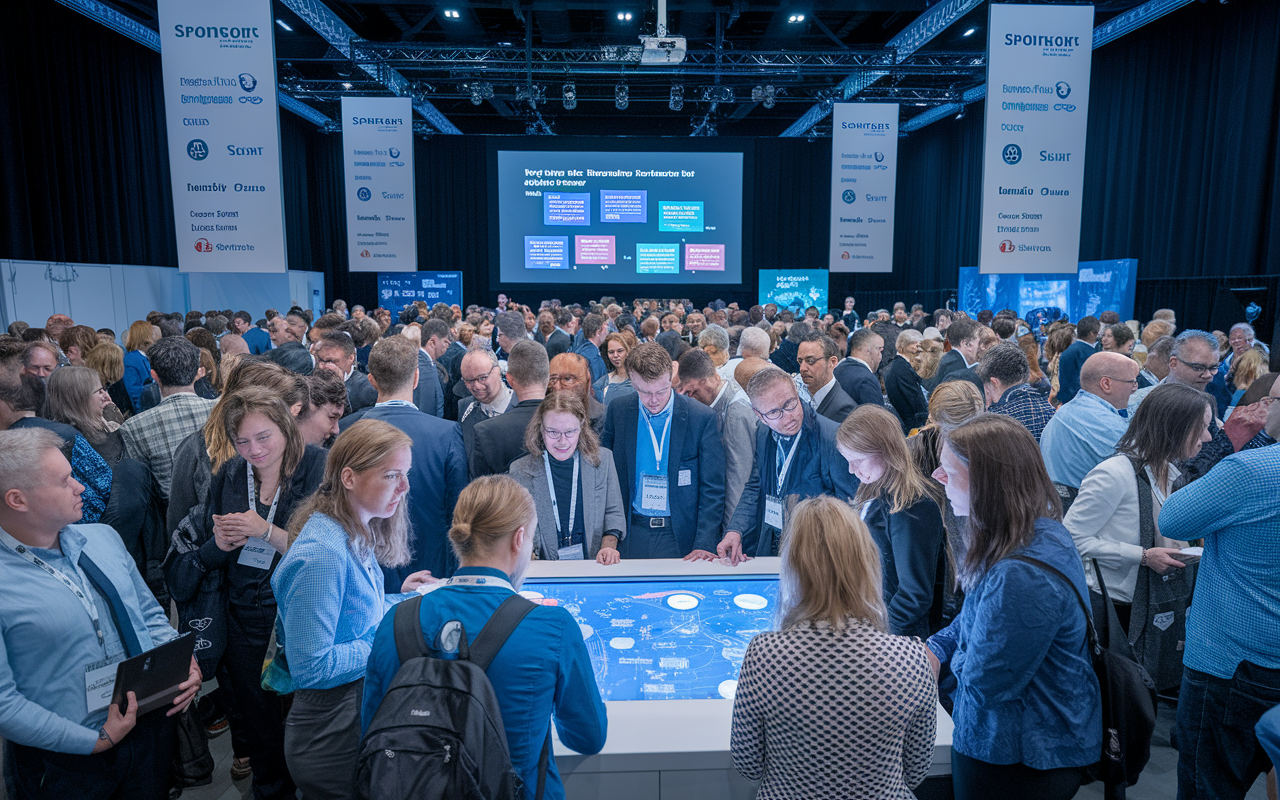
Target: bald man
(1084, 431)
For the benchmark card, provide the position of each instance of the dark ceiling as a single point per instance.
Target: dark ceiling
(504, 66)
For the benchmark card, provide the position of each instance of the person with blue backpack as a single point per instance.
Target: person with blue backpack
(515, 663)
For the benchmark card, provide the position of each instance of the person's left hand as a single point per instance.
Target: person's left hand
(244, 523)
(189, 688)
(607, 556)
(416, 580)
(701, 555)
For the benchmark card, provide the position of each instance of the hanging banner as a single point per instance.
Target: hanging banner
(1038, 62)
(864, 174)
(377, 151)
(219, 66)
(395, 291)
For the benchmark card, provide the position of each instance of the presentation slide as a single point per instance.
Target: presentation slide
(566, 217)
(665, 639)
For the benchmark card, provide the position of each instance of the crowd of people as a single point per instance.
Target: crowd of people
(279, 486)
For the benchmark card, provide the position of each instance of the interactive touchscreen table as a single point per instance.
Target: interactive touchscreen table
(666, 639)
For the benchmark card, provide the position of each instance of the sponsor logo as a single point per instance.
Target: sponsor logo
(233, 150)
(1045, 155)
(1063, 90)
(364, 193)
(376, 121)
(197, 149)
(416, 712)
(1063, 107)
(213, 32)
(849, 196)
(1015, 39)
(1007, 246)
(1011, 127)
(207, 99)
(216, 80)
(364, 253)
(199, 122)
(879, 156)
(845, 255)
(394, 152)
(864, 126)
(1011, 154)
(203, 246)
(255, 99)
(1024, 190)
(249, 187)
(393, 195)
(248, 82)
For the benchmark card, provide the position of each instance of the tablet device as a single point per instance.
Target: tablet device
(154, 676)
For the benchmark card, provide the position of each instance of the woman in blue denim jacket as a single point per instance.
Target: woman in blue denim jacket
(1028, 714)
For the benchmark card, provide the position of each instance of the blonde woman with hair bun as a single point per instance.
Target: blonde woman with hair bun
(831, 704)
(541, 673)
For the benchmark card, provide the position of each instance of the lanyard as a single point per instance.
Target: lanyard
(658, 445)
(394, 404)
(479, 580)
(253, 498)
(89, 606)
(786, 463)
(573, 495)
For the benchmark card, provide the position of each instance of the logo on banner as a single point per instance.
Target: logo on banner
(197, 149)
(849, 196)
(1007, 246)
(203, 246)
(255, 100)
(1063, 107)
(1063, 89)
(879, 156)
(364, 193)
(845, 255)
(394, 152)
(249, 83)
(364, 253)
(1012, 154)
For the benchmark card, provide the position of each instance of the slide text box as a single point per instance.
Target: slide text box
(594, 250)
(617, 205)
(562, 208)
(704, 257)
(546, 252)
(680, 216)
(658, 259)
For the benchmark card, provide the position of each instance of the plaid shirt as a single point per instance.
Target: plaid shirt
(153, 436)
(1027, 406)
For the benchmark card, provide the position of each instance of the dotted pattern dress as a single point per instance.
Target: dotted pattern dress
(834, 712)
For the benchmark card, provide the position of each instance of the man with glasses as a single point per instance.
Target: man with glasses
(490, 396)
(336, 352)
(817, 358)
(499, 440)
(1083, 432)
(857, 373)
(795, 458)
(670, 461)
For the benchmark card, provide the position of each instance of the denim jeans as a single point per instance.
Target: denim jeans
(261, 711)
(138, 768)
(1219, 756)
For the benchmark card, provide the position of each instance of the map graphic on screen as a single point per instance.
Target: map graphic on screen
(665, 640)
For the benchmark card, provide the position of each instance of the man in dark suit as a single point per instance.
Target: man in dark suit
(498, 441)
(559, 341)
(818, 356)
(336, 353)
(857, 373)
(795, 458)
(434, 340)
(906, 393)
(1072, 359)
(670, 461)
(784, 358)
(959, 363)
(439, 466)
(489, 396)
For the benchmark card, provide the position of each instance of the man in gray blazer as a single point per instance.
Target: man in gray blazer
(700, 380)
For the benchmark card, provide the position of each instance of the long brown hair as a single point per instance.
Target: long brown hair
(256, 400)
(289, 387)
(874, 430)
(1009, 489)
(70, 399)
(565, 403)
(1162, 426)
(364, 446)
(830, 567)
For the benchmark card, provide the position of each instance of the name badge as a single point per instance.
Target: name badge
(773, 511)
(684, 477)
(257, 554)
(573, 552)
(653, 493)
(99, 684)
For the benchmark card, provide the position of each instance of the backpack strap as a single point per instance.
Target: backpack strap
(544, 761)
(408, 630)
(1091, 635)
(495, 632)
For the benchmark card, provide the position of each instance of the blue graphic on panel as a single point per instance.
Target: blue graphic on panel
(1097, 286)
(398, 289)
(796, 289)
(665, 640)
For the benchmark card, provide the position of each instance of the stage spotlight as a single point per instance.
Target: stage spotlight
(624, 16)
(677, 98)
(570, 94)
(757, 94)
(962, 110)
(970, 32)
(284, 25)
(768, 96)
(796, 18)
(620, 99)
(451, 14)
(477, 97)
(486, 90)
(346, 85)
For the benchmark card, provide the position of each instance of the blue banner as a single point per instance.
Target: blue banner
(796, 289)
(399, 289)
(1098, 286)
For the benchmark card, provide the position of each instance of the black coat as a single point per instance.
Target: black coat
(360, 393)
(858, 382)
(784, 358)
(558, 342)
(836, 405)
(294, 357)
(911, 544)
(906, 393)
(496, 442)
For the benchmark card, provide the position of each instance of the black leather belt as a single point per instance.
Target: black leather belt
(650, 522)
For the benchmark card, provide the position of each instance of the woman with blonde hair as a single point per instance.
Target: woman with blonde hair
(616, 382)
(1243, 372)
(107, 359)
(831, 704)
(76, 396)
(573, 483)
(137, 367)
(330, 590)
(927, 359)
(541, 675)
(900, 506)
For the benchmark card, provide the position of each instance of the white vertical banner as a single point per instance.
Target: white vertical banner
(1038, 63)
(864, 174)
(377, 153)
(219, 67)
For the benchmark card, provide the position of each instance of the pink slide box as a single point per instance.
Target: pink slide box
(703, 256)
(598, 250)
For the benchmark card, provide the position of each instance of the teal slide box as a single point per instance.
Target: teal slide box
(680, 216)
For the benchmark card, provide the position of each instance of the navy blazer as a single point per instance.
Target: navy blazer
(697, 509)
(1069, 365)
(836, 405)
(558, 342)
(817, 468)
(360, 393)
(859, 382)
(953, 367)
(429, 394)
(911, 563)
(906, 393)
(436, 478)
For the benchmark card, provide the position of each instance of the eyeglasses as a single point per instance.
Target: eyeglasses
(1121, 380)
(479, 378)
(776, 413)
(566, 380)
(559, 435)
(811, 360)
(1194, 367)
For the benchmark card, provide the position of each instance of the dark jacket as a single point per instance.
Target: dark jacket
(496, 442)
(784, 358)
(816, 468)
(911, 544)
(136, 513)
(594, 360)
(836, 405)
(906, 393)
(558, 342)
(436, 477)
(293, 356)
(360, 393)
(429, 394)
(858, 382)
(1069, 365)
(952, 367)
(697, 502)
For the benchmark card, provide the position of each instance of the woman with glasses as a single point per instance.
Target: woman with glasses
(76, 396)
(571, 373)
(573, 483)
(616, 382)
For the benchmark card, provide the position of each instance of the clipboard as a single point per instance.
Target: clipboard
(154, 676)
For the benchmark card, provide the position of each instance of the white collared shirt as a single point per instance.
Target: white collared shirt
(822, 393)
(500, 403)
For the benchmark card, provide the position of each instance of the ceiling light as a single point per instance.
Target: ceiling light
(624, 16)
(961, 114)
(757, 94)
(570, 94)
(769, 95)
(346, 85)
(628, 16)
(451, 14)
(477, 95)
(620, 99)
(970, 32)
(677, 98)
(796, 18)
(284, 25)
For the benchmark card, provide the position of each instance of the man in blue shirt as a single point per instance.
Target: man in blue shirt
(1071, 362)
(73, 606)
(1232, 662)
(1084, 432)
(670, 462)
(254, 337)
(593, 333)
